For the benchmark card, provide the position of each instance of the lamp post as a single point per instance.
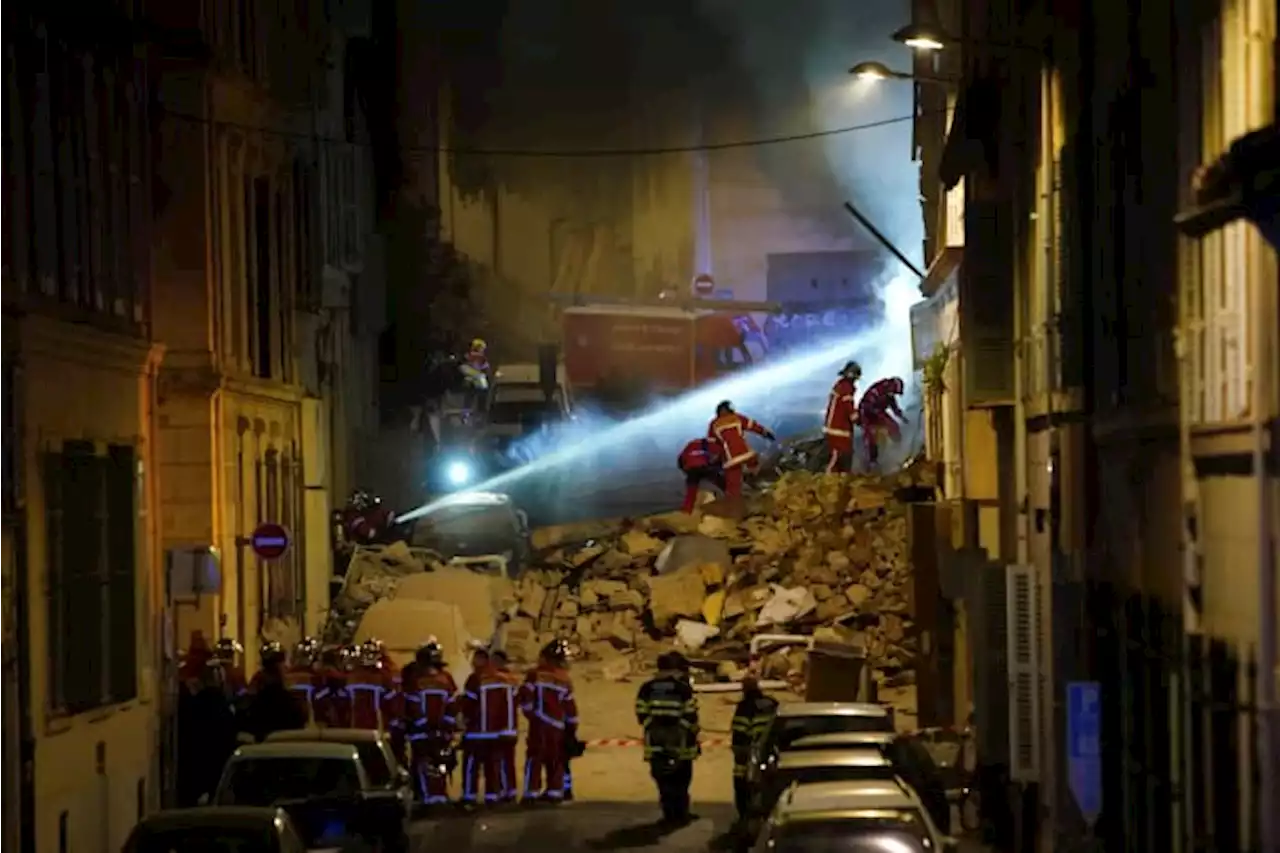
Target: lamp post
(879, 71)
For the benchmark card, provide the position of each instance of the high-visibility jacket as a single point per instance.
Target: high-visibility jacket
(429, 702)
(731, 429)
(303, 682)
(841, 411)
(546, 697)
(700, 453)
(667, 710)
(751, 721)
(489, 705)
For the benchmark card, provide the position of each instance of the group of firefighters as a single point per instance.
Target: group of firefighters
(723, 456)
(426, 717)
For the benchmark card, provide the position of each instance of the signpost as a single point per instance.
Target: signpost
(269, 541)
(1084, 750)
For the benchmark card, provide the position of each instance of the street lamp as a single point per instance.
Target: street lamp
(923, 36)
(879, 71)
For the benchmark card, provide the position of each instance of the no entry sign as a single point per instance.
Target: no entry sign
(704, 284)
(269, 541)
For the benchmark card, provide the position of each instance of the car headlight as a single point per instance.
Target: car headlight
(459, 473)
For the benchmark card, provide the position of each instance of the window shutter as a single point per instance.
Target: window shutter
(122, 586)
(1023, 621)
(986, 310)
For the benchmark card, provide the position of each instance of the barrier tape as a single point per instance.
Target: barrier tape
(631, 741)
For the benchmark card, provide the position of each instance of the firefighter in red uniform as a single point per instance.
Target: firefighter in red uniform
(302, 677)
(368, 686)
(507, 743)
(877, 411)
(842, 414)
(332, 700)
(549, 706)
(489, 706)
(701, 462)
(429, 696)
(730, 429)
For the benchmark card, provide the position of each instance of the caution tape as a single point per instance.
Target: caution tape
(632, 741)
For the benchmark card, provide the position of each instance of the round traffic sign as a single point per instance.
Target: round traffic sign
(704, 284)
(269, 540)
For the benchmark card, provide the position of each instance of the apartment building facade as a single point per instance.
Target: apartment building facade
(264, 261)
(81, 366)
(1135, 376)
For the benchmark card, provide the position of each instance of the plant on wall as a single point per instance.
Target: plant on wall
(935, 368)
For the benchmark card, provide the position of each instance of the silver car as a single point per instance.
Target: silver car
(851, 817)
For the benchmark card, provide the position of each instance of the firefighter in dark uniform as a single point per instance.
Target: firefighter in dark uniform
(751, 721)
(667, 710)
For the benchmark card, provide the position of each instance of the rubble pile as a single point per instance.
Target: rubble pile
(373, 575)
(818, 554)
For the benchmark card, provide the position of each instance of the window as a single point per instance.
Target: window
(1232, 262)
(91, 528)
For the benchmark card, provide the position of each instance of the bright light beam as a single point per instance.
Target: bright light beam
(704, 399)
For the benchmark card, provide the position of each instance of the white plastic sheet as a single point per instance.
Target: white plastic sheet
(786, 605)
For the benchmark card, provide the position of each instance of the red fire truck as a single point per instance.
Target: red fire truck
(661, 347)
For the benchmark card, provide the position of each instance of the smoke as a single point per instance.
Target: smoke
(792, 64)
(596, 449)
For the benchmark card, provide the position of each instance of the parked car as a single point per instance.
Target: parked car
(795, 720)
(828, 765)
(910, 759)
(324, 789)
(217, 829)
(852, 817)
(374, 748)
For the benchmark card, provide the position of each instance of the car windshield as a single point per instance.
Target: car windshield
(778, 780)
(467, 531)
(374, 761)
(204, 839)
(266, 781)
(787, 730)
(885, 832)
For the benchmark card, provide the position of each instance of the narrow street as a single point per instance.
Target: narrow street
(589, 825)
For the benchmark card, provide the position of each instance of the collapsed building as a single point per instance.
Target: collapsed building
(815, 554)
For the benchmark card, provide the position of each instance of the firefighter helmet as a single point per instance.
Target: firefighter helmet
(348, 657)
(431, 653)
(306, 652)
(851, 370)
(226, 650)
(271, 652)
(725, 407)
(556, 651)
(371, 651)
(478, 345)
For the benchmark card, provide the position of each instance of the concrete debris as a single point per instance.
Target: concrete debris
(818, 554)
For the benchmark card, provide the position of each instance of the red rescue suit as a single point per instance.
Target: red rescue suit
(302, 683)
(332, 700)
(429, 708)
(730, 429)
(371, 689)
(876, 412)
(506, 747)
(837, 426)
(488, 705)
(548, 704)
(701, 463)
